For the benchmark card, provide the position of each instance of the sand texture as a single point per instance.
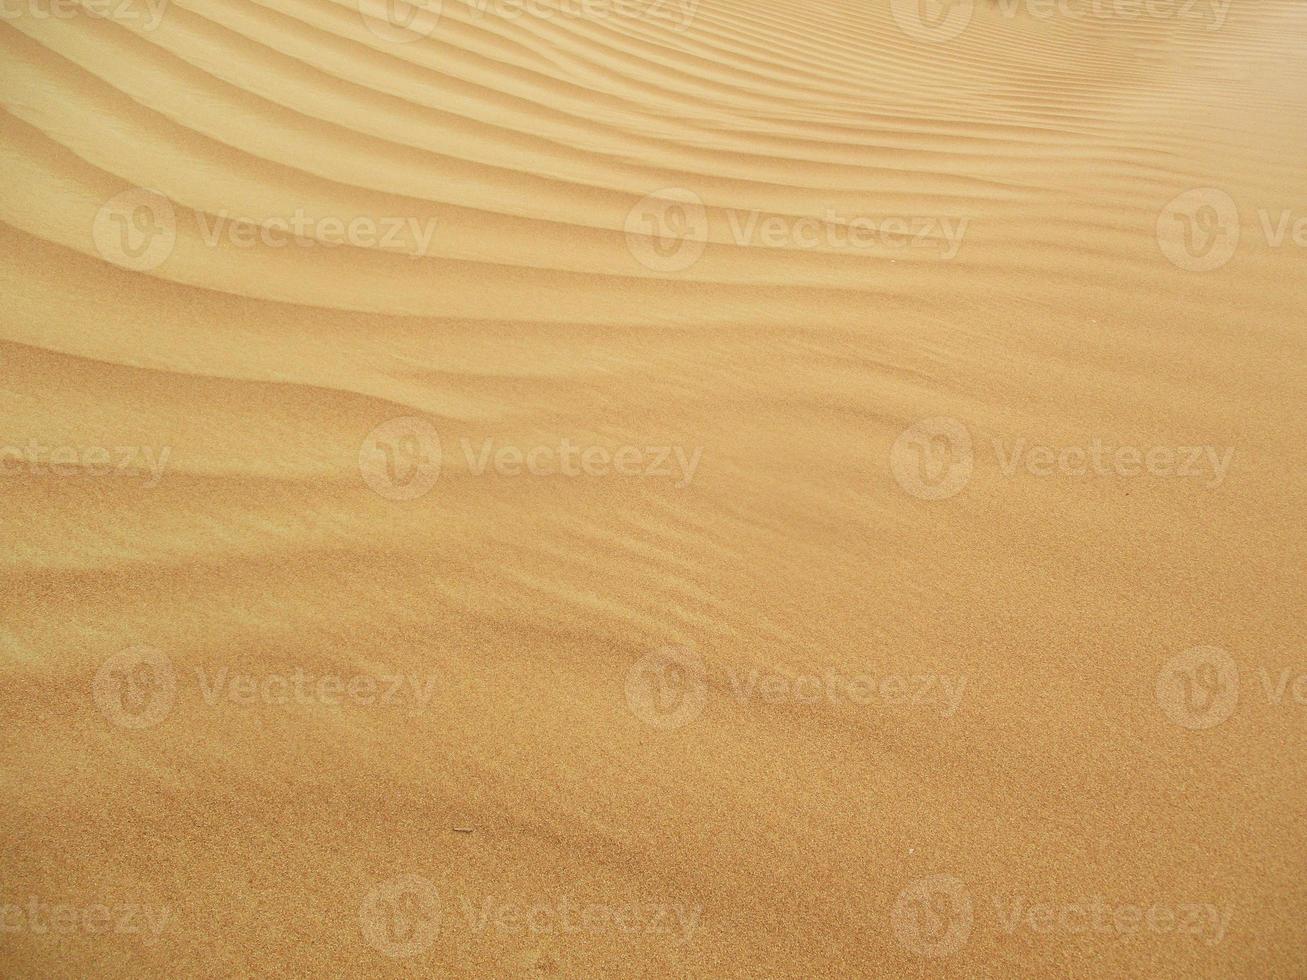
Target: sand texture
(641, 488)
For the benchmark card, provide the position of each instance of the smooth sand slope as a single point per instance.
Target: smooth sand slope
(776, 679)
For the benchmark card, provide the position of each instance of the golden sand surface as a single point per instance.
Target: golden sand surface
(653, 488)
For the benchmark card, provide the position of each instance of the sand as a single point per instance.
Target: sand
(724, 490)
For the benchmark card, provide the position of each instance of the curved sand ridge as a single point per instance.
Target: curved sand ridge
(921, 679)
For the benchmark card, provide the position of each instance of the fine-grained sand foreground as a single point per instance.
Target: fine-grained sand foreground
(653, 488)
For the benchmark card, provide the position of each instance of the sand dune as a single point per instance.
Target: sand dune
(654, 488)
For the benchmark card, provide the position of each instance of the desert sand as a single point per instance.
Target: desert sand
(656, 490)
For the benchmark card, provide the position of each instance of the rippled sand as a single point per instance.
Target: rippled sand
(722, 490)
